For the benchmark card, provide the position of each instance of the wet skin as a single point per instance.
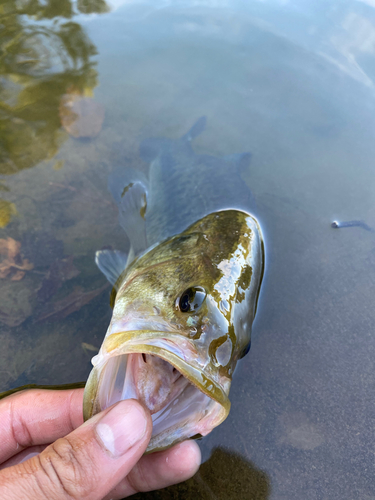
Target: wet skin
(220, 258)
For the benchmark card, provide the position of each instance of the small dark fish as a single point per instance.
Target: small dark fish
(352, 223)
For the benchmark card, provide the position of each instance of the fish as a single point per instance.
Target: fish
(185, 295)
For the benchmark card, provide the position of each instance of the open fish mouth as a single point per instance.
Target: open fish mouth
(165, 373)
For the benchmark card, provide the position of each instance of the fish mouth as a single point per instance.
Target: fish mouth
(165, 373)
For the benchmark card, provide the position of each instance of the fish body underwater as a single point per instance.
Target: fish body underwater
(185, 296)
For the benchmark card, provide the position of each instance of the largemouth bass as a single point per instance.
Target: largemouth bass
(185, 297)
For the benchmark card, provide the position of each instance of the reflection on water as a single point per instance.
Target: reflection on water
(225, 476)
(291, 82)
(39, 62)
(47, 62)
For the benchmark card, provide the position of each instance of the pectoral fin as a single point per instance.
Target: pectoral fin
(129, 188)
(111, 263)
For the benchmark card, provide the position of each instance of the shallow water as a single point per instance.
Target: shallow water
(292, 82)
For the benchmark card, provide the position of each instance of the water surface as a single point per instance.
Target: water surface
(292, 82)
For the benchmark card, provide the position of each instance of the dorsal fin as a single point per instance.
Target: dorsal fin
(196, 129)
(240, 160)
(151, 148)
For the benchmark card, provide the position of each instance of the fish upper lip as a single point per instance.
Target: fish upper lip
(135, 337)
(126, 342)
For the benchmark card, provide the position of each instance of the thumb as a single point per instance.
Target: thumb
(86, 464)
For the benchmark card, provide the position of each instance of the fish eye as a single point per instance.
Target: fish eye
(192, 299)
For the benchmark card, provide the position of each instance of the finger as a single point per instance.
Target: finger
(160, 470)
(36, 417)
(23, 455)
(86, 464)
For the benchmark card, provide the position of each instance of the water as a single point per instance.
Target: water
(292, 82)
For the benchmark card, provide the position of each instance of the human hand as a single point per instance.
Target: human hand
(47, 452)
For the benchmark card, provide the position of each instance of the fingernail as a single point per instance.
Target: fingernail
(121, 428)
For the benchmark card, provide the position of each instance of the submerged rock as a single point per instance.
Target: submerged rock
(81, 116)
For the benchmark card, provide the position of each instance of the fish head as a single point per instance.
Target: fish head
(182, 317)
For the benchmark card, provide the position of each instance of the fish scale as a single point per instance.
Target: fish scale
(185, 187)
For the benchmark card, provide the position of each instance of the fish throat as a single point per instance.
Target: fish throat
(156, 382)
(176, 404)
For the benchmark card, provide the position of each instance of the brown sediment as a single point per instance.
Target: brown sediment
(12, 264)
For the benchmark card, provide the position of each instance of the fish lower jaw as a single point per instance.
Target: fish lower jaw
(179, 409)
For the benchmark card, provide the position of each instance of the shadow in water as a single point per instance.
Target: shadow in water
(225, 476)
